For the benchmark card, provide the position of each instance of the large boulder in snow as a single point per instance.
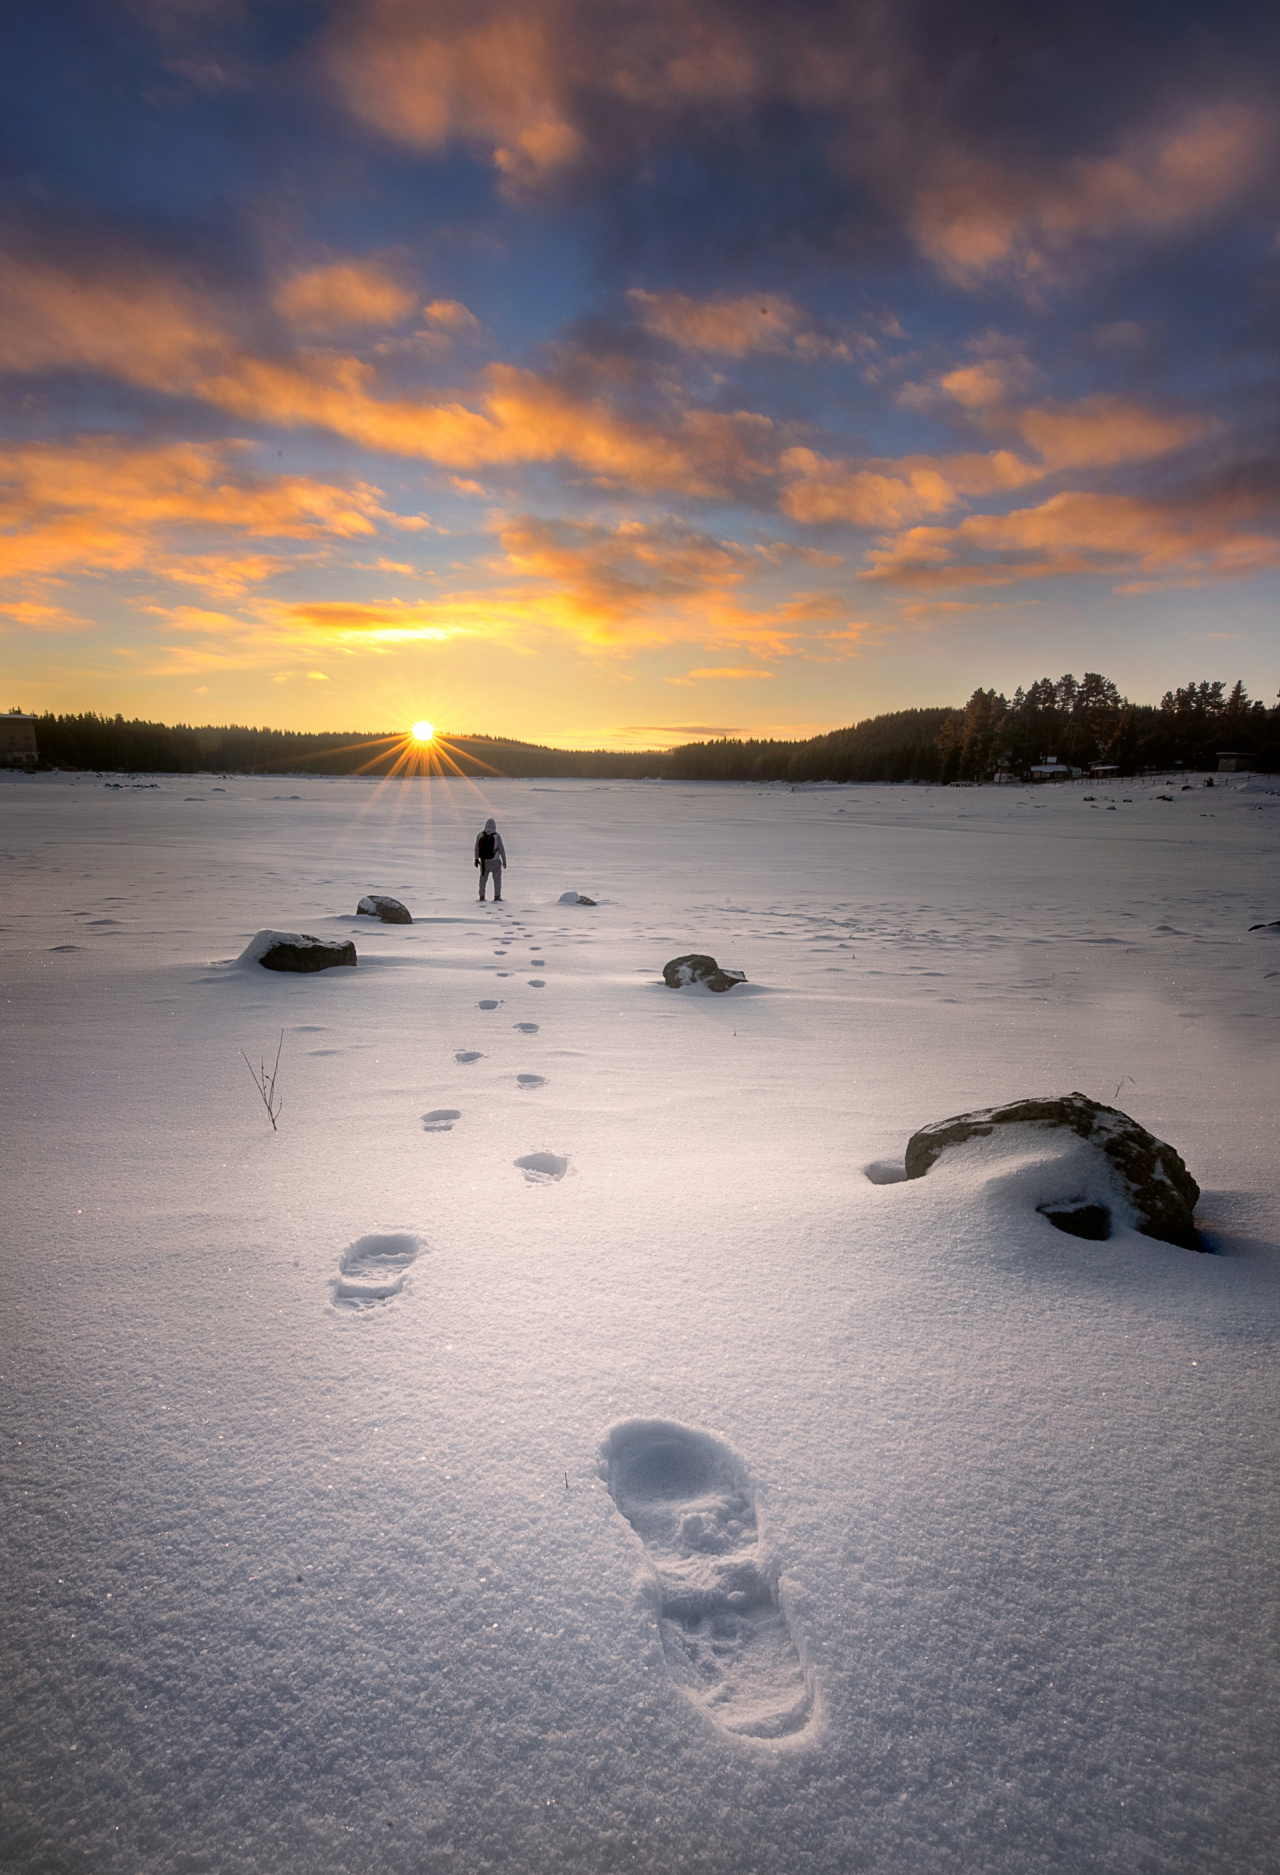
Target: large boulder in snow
(1149, 1176)
(378, 905)
(297, 951)
(696, 968)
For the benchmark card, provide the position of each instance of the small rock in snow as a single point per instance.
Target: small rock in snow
(575, 898)
(378, 905)
(297, 951)
(695, 968)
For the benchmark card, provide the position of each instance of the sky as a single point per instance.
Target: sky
(618, 375)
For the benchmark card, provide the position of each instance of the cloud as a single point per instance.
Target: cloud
(1099, 431)
(598, 587)
(636, 582)
(102, 505)
(26, 615)
(888, 494)
(451, 315)
(1138, 543)
(678, 729)
(632, 561)
(988, 385)
(129, 321)
(343, 296)
(1095, 432)
(491, 75)
(976, 218)
(753, 322)
(733, 671)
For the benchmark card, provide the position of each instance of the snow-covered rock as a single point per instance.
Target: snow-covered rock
(575, 898)
(378, 905)
(1147, 1176)
(297, 951)
(696, 968)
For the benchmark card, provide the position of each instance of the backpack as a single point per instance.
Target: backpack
(486, 845)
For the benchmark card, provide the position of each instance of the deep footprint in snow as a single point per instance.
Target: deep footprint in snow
(543, 1168)
(468, 1054)
(531, 1081)
(527, 1028)
(727, 1643)
(372, 1270)
(440, 1120)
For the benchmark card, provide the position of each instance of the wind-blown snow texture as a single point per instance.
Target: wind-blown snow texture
(312, 1558)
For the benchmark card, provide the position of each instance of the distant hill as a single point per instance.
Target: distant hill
(902, 746)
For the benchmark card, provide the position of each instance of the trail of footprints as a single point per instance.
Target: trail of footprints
(371, 1271)
(727, 1642)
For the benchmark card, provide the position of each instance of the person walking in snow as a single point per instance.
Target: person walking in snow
(491, 857)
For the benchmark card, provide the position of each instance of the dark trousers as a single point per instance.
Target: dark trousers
(491, 868)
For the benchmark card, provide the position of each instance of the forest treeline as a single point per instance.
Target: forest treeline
(1078, 720)
(112, 743)
(1089, 721)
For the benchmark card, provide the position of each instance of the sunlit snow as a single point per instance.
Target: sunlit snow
(568, 1441)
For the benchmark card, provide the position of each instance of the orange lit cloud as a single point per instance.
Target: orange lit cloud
(1099, 431)
(153, 332)
(517, 79)
(981, 218)
(489, 75)
(340, 297)
(735, 672)
(26, 615)
(628, 584)
(600, 588)
(662, 583)
(1095, 432)
(889, 494)
(634, 561)
(1133, 541)
(988, 385)
(131, 322)
(754, 322)
(451, 316)
(101, 505)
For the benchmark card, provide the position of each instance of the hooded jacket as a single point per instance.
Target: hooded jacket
(499, 850)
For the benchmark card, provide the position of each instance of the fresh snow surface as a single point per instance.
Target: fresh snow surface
(568, 1442)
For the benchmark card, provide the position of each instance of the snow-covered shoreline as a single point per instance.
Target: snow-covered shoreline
(298, 1585)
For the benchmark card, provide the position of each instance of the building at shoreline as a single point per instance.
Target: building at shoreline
(18, 741)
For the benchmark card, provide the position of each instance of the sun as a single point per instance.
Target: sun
(424, 732)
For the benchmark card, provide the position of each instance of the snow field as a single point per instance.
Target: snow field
(312, 1555)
